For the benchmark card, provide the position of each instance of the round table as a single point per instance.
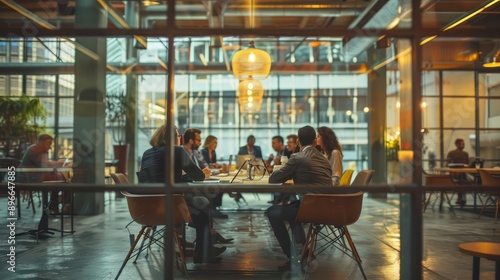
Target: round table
(487, 250)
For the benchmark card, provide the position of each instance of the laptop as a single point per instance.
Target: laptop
(241, 159)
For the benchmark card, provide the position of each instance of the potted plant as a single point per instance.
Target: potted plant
(119, 106)
(21, 120)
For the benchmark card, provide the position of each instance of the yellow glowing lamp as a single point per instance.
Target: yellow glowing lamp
(251, 63)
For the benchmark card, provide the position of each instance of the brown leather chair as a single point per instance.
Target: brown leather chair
(323, 210)
(149, 210)
(488, 180)
(433, 180)
(363, 177)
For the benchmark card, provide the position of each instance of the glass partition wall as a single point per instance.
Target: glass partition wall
(375, 80)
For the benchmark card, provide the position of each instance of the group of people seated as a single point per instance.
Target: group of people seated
(315, 157)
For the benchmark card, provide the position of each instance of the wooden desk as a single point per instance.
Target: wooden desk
(477, 250)
(43, 226)
(466, 170)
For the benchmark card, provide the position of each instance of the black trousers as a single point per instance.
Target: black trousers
(278, 214)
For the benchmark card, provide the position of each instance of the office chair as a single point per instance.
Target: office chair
(323, 210)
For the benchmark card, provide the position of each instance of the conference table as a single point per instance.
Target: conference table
(470, 170)
(43, 225)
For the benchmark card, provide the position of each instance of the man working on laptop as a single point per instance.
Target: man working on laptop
(308, 166)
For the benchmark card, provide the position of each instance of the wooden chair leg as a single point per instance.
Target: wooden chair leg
(484, 206)
(496, 210)
(308, 237)
(181, 254)
(354, 250)
(130, 251)
(146, 235)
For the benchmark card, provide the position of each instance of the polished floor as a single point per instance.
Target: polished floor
(100, 243)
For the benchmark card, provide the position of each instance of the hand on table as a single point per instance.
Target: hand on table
(207, 172)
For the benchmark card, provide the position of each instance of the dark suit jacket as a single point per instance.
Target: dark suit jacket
(153, 166)
(257, 152)
(308, 166)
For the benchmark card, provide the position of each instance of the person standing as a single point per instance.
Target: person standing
(308, 166)
(330, 146)
(250, 148)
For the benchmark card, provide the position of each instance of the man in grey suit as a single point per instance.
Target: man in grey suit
(308, 166)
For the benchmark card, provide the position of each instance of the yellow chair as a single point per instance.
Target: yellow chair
(488, 180)
(322, 210)
(345, 180)
(148, 210)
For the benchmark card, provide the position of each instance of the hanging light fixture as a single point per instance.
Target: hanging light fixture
(251, 63)
(250, 96)
(492, 62)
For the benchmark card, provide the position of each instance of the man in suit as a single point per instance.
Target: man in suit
(250, 148)
(308, 166)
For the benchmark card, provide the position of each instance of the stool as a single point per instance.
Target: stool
(487, 250)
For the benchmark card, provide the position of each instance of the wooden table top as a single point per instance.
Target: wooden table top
(466, 170)
(488, 250)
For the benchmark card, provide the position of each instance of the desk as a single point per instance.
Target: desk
(466, 170)
(43, 226)
(477, 250)
(473, 171)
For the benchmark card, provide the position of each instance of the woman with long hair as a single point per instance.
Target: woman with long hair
(330, 146)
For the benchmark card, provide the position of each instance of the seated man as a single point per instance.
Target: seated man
(153, 171)
(459, 156)
(36, 156)
(250, 148)
(308, 166)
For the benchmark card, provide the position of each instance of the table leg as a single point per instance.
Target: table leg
(475, 268)
(497, 270)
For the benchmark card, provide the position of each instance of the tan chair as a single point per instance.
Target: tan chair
(363, 178)
(434, 180)
(488, 180)
(345, 180)
(322, 210)
(149, 210)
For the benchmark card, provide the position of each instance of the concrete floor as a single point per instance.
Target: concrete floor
(100, 243)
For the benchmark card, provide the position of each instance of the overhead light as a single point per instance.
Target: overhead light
(150, 3)
(493, 61)
(251, 63)
(250, 95)
(471, 14)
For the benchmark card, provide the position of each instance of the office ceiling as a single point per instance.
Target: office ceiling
(441, 53)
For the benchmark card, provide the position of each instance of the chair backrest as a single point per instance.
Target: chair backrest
(330, 209)
(488, 180)
(363, 178)
(437, 179)
(345, 180)
(119, 178)
(149, 209)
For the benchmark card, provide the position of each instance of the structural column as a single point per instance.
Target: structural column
(377, 123)
(89, 108)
